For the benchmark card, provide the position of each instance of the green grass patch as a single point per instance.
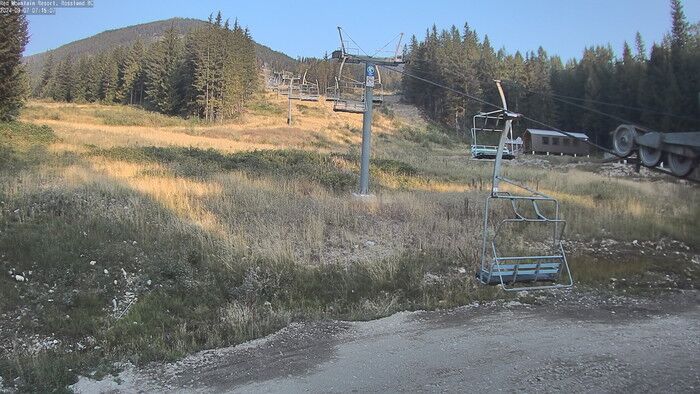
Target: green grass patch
(132, 116)
(23, 144)
(278, 163)
(260, 106)
(431, 135)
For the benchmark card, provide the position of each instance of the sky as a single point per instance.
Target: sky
(307, 28)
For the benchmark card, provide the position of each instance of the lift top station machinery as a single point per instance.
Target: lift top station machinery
(507, 257)
(680, 151)
(358, 96)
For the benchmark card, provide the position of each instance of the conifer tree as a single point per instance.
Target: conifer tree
(160, 74)
(13, 30)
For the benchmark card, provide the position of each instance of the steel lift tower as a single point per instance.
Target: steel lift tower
(365, 103)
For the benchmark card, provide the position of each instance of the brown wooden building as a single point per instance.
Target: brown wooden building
(548, 141)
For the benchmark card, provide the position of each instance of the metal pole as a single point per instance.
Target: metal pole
(367, 128)
(289, 102)
(501, 143)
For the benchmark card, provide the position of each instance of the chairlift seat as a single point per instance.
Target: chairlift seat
(523, 272)
(489, 152)
(352, 106)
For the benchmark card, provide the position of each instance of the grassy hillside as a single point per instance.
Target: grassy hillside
(142, 237)
(146, 32)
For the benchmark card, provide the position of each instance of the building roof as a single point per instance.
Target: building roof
(553, 133)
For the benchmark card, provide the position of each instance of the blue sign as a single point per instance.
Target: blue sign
(370, 71)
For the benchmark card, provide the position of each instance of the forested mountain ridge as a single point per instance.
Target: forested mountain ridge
(146, 33)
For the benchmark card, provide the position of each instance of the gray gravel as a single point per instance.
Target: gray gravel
(627, 345)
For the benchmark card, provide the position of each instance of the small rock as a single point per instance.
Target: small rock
(370, 243)
(148, 282)
(19, 278)
(462, 270)
(93, 262)
(106, 271)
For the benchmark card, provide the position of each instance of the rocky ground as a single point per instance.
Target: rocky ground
(44, 294)
(565, 340)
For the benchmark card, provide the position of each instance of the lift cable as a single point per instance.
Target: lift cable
(564, 99)
(496, 106)
(561, 96)
(518, 86)
(639, 109)
(386, 45)
(482, 101)
(353, 41)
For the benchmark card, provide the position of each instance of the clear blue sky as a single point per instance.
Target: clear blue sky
(307, 28)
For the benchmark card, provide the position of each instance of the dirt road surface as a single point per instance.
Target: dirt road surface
(571, 344)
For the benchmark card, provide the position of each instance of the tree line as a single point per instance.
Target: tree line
(660, 91)
(207, 73)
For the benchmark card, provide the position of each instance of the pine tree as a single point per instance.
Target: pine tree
(64, 79)
(160, 73)
(129, 72)
(45, 87)
(108, 75)
(80, 82)
(13, 30)
(641, 48)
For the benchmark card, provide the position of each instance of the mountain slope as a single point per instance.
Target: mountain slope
(146, 32)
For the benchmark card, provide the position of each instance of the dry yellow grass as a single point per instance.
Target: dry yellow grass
(315, 126)
(302, 220)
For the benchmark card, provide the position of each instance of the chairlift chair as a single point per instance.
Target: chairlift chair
(350, 93)
(308, 91)
(332, 91)
(547, 269)
(493, 121)
(289, 87)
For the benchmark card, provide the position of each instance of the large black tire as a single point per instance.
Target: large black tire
(650, 157)
(680, 165)
(623, 140)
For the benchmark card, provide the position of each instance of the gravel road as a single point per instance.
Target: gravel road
(564, 344)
